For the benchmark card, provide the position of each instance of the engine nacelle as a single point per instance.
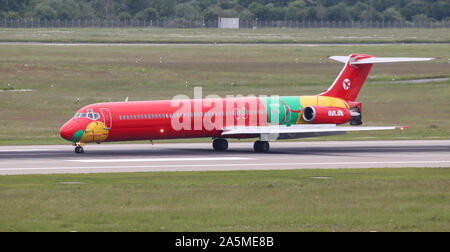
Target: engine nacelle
(321, 114)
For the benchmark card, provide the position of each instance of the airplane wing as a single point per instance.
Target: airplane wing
(276, 132)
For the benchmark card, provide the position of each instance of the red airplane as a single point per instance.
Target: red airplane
(267, 118)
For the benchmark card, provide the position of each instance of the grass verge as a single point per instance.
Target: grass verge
(261, 35)
(406, 199)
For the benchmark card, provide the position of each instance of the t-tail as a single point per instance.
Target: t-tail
(352, 77)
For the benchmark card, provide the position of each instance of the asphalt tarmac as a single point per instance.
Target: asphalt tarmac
(112, 158)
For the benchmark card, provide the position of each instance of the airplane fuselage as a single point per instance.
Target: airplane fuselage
(170, 119)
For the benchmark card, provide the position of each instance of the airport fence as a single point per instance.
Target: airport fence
(243, 24)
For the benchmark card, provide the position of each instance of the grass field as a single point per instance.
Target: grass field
(301, 200)
(59, 75)
(261, 35)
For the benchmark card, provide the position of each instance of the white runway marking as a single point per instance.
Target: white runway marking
(128, 160)
(242, 166)
(25, 150)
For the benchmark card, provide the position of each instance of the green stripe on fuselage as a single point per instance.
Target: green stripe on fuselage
(282, 110)
(77, 136)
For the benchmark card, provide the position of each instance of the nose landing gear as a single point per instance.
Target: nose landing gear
(79, 148)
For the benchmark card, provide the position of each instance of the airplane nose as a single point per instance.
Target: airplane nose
(66, 131)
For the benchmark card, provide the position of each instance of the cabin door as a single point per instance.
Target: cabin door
(106, 118)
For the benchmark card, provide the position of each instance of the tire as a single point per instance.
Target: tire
(261, 146)
(220, 144)
(79, 150)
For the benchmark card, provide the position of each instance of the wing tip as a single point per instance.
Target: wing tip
(401, 127)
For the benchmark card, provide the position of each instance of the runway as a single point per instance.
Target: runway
(109, 158)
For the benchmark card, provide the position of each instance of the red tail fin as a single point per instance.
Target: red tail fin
(356, 69)
(351, 78)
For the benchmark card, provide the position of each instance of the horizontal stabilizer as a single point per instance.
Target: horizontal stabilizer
(375, 60)
(342, 59)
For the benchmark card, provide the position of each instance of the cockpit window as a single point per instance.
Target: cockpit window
(90, 114)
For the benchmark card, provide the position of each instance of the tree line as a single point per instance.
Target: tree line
(291, 10)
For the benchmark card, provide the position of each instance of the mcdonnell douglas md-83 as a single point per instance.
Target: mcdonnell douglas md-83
(267, 118)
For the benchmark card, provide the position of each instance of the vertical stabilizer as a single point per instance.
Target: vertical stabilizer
(357, 66)
(349, 82)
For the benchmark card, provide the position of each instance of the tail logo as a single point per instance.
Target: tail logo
(346, 84)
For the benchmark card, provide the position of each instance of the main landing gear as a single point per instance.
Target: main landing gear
(261, 146)
(220, 144)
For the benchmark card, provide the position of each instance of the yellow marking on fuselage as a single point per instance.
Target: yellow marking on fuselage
(317, 100)
(95, 132)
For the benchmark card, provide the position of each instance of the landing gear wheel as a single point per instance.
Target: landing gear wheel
(261, 146)
(79, 150)
(220, 144)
